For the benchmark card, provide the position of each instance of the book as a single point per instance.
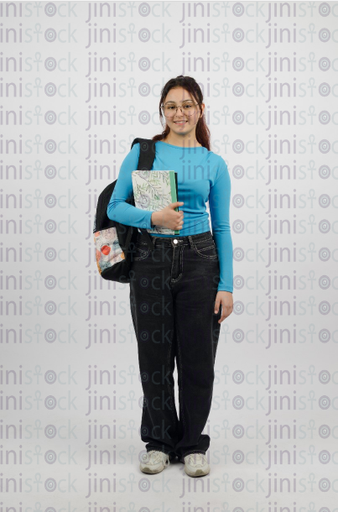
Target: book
(154, 190)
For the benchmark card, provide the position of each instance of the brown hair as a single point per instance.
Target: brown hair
(189, 84)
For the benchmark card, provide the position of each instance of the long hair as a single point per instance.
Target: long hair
(189, 84)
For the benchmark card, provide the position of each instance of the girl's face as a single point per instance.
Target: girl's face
(182, 124)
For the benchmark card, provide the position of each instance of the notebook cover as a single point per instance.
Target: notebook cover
(154, 190)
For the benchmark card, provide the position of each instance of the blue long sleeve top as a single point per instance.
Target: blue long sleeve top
(201, 176)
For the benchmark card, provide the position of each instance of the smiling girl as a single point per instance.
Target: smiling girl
(182, 290)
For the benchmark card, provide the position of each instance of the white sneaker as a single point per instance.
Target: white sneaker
(154, 462)
(195, 464)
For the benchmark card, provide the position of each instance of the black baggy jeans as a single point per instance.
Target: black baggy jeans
(172, 296)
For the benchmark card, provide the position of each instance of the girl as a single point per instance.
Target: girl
(182, 290)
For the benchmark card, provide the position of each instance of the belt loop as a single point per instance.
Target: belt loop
(190, 241)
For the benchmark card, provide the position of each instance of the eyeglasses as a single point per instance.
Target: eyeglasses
(187, 109)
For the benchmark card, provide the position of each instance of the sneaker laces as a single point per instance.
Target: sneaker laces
(156, 456)
(196, 459)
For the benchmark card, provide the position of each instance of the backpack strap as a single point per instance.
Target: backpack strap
(147, 153)
(145, 163)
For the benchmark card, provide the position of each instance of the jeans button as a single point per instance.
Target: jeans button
(175, 241)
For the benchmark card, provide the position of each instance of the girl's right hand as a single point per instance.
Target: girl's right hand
(169, 218)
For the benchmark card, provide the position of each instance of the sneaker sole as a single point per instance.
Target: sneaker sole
(198, 472)
(151, 471)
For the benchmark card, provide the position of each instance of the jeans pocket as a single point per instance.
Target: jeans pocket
(142, 251)
(206, 249)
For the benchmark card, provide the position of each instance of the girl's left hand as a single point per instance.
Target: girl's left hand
(224, 298)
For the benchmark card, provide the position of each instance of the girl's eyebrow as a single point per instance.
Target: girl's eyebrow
(174, 102)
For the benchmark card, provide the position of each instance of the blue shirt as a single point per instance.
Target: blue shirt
(201, 176)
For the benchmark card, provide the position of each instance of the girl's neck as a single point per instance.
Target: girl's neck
(187, 143)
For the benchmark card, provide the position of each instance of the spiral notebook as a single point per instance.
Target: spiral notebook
(154, 190)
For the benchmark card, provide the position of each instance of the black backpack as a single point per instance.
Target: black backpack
(115, 242)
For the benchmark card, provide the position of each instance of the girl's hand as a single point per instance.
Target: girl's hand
(168, 217)
(224, 298)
